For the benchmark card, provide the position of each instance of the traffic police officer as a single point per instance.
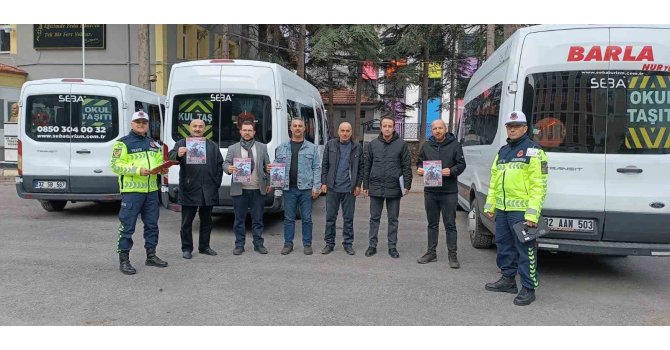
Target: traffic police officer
(516, 193)
(133, 157)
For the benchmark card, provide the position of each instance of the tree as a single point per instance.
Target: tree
(350, 46)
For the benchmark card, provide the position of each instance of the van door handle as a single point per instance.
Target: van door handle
(629, 170)
(83, 151)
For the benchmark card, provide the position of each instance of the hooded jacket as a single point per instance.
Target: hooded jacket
(385, 162)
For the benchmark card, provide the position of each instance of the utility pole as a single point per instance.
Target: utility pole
(83, 52)
(143, 56)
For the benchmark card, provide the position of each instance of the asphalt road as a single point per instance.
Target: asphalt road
(62, 269)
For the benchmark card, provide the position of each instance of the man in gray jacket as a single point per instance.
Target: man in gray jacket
(341, 176)
(251, 194)
(387, 159)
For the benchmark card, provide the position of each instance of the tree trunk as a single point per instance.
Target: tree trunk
(301, 51)
(331, 105)
(424, 97)
(452, 88)
(253, 42)
(143, 57)
(490, 39)
(359, 92)
(226, 48)
(509, 29)
(244, 41)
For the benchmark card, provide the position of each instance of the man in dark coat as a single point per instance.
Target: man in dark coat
(198, 190)
(387, 159)
(443, 199)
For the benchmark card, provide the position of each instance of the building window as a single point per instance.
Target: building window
(362, 114)
(5, 29)
(343, 114)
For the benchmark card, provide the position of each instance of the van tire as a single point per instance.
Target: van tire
(480, 236)
(53, 205)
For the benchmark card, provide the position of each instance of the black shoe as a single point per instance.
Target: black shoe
(453, 261)
(525, 297)
(287, 249)
(394, 253)
(186, 254)
(371, 251)
(124, 264)
(327, 249)
(261, 249)
(208, 251)
(349, 250)
(153, 260)
(426, 258)
(504, 284)
(308, 250)
(238, 250)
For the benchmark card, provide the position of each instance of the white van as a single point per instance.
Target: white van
(219, 92)
(66, 131)
(598, 102)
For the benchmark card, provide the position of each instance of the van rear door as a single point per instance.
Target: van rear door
(45, 138)
(96, 117)
(638, 137)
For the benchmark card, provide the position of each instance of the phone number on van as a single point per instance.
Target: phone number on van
(83, 129)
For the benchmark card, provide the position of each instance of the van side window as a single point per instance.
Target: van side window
(155, 123)
(304, 112)
(480, 118)
(566, 112)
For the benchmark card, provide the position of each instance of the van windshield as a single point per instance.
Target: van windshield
(72, 118)
(221, 113)
(612, 112)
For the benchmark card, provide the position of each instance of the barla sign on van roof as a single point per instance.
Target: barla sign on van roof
(611, 53)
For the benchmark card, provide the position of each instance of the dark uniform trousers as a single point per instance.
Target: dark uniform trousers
(133, 205)
(187, 215)
(513, 256)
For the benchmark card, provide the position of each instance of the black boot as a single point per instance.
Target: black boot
(153, 260)
(453, 260)
(525, 297)
(504, 284)
(124, 263)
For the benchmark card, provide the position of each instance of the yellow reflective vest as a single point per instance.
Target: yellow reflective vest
(518, 179)
(131, 153)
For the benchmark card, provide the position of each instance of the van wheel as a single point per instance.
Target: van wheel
(53, 205)
(480, 236)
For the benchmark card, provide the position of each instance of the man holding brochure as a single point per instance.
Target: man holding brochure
(200, 174)
(251, 192)
(135, 159)
(442, 151)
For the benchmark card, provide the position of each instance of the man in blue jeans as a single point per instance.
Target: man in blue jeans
(341, 177)
(302, 163)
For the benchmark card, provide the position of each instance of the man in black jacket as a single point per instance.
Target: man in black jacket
(442, 146)
(387, 166)
(198, 189)
(341, 176)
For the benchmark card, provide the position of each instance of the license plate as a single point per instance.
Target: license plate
(570, 225)
(50, 185)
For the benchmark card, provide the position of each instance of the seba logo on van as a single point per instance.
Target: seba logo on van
(219, 98)
(611, 53)
(70, 98)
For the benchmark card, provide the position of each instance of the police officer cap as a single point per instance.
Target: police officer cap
(139, 115)
(515, 118)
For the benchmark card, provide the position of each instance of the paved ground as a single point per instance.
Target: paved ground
(61, 269)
